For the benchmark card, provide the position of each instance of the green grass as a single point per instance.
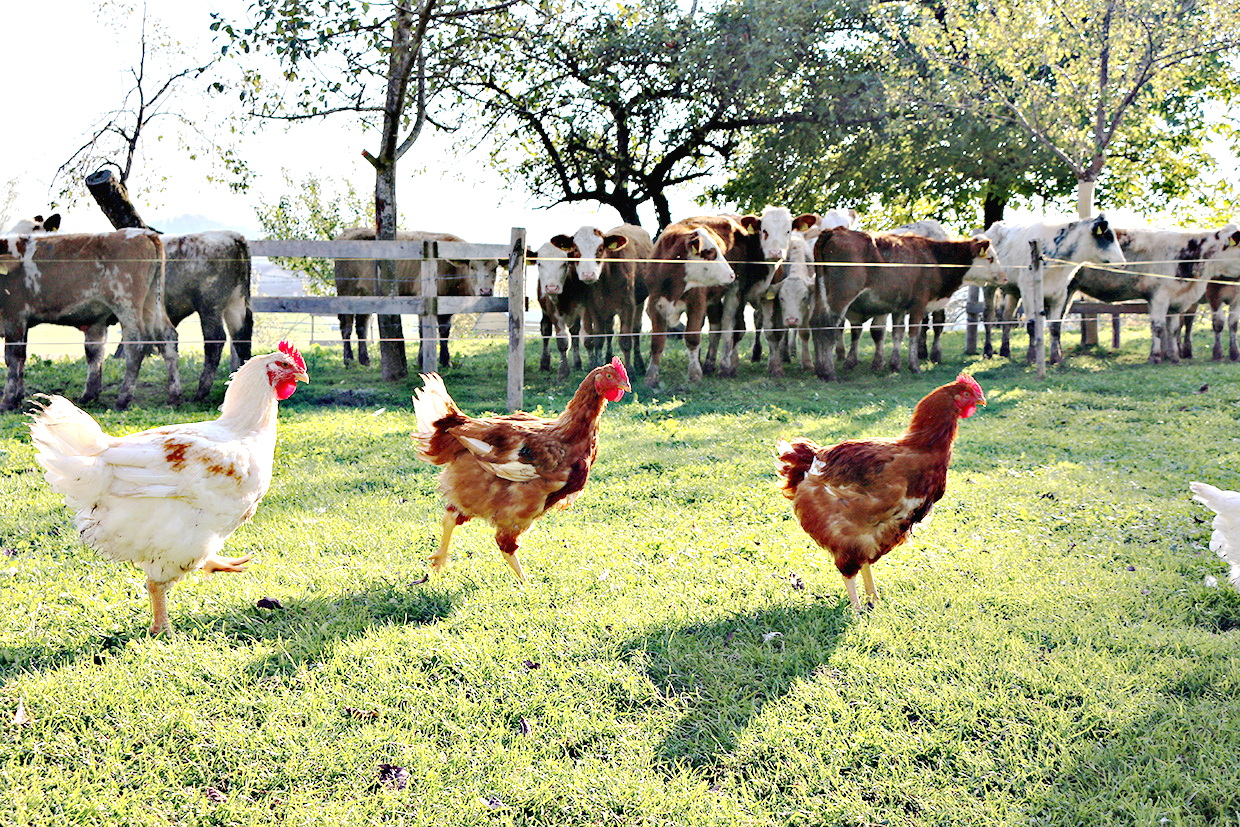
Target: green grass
(1046, 652)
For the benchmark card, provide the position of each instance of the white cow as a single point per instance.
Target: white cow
(40, 224)
(1170, 269)
(561, 296)
(1065, 247)
(786, 305)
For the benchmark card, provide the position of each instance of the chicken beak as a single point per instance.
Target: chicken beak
(302, 376)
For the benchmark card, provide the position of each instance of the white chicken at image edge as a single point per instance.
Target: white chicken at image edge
(166, 499)
(1225, 541)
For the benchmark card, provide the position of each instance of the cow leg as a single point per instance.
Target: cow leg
(346, 335)
(168, 345)
(96, 343)
(756, 355)
(694, 319)
(939, 323)
(898, 322)
(807, 359)
(1159, 330)
(361, 323)
(1233, 318)
(1186, 337)
(714, 315)
(212, 351)
(635, 327)
(134, 354)
(776, 339)
(545, 330)
(826, 331)
(1006, 323)
(445, 329)
(916, 320)
(988, 320)
(854, 343)
(566, 336)
(1218, 321)
(15, 361)
(658, 340)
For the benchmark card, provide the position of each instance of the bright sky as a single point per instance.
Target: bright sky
(70, 68)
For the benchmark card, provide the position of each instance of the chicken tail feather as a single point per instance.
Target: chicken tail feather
(1225, 541)
(431, 403)
(67, 439)
(793, 462)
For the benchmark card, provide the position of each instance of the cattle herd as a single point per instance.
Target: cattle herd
(806, 278)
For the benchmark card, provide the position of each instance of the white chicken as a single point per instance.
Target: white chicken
(167, 498)
(1225, 541)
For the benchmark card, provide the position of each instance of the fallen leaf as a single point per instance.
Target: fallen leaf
(1211, 582)
(794, 579)
(269, 603)
(20, 718)
(215, 796)
(770, 636)
(360, 713)
(493, 802)
(1203, 388)
(531, 665)
(393, 777)
(526, 729)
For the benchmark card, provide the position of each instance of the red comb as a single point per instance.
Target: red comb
(619, 366)
(969, 382)
(290, 350)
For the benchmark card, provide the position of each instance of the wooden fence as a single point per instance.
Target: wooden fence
(428, 305)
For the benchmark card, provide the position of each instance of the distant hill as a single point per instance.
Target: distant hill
(197, 224)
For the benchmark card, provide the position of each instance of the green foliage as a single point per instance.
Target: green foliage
(1045, 654)
(314, 208)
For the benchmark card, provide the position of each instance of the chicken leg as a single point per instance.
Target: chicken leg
(159, 607)
(850, 583)
(868, 579)
(440, 558)
(509, 542)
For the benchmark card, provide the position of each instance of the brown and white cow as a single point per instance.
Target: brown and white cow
(357, 277)
(786, 306)
(755, 259)
(607, 265)
(82, 281)
(688, 268)
(562, 299)
(39, 224)
(862, 275)
(1169, 269)
(208, 273)
(1218, 294)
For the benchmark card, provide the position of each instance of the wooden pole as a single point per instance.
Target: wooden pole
(428, 349)
(112, 197)
(1038, 308)
(516, 320)
(971, 320)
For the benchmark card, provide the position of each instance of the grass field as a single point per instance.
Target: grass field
(1047, 652)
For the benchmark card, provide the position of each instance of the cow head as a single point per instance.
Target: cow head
(39, 225)
(986, 267)
(554, 268)
(1225, 263)
(705, 265)
(774, 228)
(793, 293)
(1106, 247)
(590, 247)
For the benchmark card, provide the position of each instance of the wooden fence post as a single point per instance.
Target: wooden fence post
(516, 320)
(1038, 309)
(428, 353)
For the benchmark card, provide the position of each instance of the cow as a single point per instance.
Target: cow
(857, 281)
(786, 304)
(607, 264)
(1169, 269)
(755, 259)
(1219, 293)
(562, 298)
(357, 277)
(208, 273)
(937, 311)
(40, 224)
(1065, 247)
(82, 281)
(689, 262)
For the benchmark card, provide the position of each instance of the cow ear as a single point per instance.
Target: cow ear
(750, 223)
(1100, 226)
(1233, 241)
(615, 242)
(694, 244)
(52, 223)
(804, 221)
(530, 255)
(564, 243)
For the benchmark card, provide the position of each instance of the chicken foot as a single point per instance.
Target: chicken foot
(871, 591)
(868, 579)
(508, 543)
(213, 563)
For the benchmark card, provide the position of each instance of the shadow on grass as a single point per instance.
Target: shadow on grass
(724, 673)
(306, 629)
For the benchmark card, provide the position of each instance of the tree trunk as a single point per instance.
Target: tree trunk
(1084, 209)
(112, 197)
(992, 209)
(391, 333)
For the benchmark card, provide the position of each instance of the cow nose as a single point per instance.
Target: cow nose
(550, 290)
(792, 321)
(486, 291)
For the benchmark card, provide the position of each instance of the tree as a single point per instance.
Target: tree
(157, 96)
(383, 62)
(1078, 75)
(620, 104)
(314, 207)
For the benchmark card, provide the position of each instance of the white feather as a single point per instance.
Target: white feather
(1225, 540)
